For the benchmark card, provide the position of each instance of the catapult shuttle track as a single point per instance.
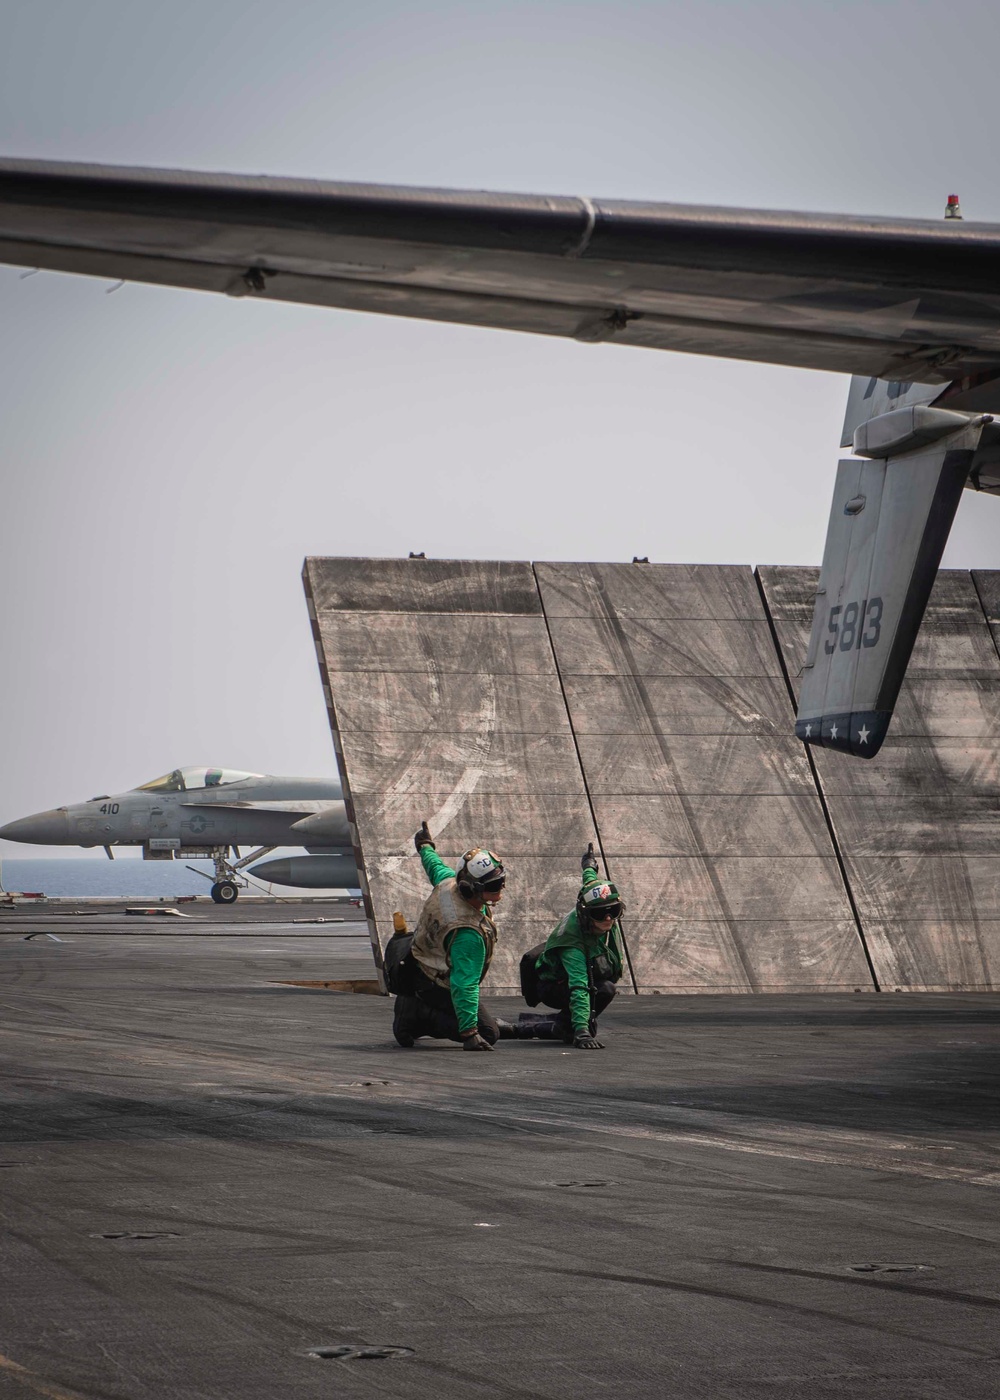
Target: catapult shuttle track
(536, 706)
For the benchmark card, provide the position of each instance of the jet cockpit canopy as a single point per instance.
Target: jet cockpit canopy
(190, 779)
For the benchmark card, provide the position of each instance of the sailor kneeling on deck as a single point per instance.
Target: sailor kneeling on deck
(576, 970)
(451, 952)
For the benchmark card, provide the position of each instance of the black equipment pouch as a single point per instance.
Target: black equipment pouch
(398, 965)
(601, 970)
(529, 974)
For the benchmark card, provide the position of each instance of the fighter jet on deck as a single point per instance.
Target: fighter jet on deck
(909, 307)
(208, 813)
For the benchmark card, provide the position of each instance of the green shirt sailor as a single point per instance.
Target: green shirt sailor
(582, 958)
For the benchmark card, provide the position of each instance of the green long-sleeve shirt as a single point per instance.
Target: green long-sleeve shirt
(571, 949)
(465, 951)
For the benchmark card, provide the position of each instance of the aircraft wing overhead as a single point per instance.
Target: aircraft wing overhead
(890, 298)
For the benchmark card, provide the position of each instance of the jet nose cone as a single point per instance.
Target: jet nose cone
(43, 829)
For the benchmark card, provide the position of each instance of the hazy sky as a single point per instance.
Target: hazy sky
(168, 457)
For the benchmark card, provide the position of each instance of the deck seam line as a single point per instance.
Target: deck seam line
(835, 843)
(579, 759)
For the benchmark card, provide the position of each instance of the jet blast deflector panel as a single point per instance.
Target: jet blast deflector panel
(709, 820)
(446, 706)
(534, 708)
(918, 827)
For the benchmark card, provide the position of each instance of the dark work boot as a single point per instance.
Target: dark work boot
(404, 1021)
(521, 1029)
(531, 1025)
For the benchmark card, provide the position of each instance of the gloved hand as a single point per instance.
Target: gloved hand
(475, 1042)
(423, 838)
(588, 861)
(583, 1040)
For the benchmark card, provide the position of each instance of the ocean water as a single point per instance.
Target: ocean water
(123, 876)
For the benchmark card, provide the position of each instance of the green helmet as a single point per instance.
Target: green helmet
(598, 901)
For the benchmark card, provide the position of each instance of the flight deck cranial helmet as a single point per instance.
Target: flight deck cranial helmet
(600, 901)
(479, 872)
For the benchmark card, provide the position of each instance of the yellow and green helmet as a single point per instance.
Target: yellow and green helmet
(600, 901)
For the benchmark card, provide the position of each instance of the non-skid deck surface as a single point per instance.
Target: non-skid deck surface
(207, 1172)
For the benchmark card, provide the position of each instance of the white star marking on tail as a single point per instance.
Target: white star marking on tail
(833, 731)
(863, 733)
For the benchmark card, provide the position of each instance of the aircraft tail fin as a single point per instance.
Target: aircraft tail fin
(892, 511)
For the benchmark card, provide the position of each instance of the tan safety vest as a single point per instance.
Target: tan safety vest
(444, 912)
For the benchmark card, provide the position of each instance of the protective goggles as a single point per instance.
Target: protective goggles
(495, 882)
(606, 911)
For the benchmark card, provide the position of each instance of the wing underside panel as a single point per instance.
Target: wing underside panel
(902, 300)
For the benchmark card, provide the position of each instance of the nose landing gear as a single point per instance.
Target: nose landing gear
(225, 892)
